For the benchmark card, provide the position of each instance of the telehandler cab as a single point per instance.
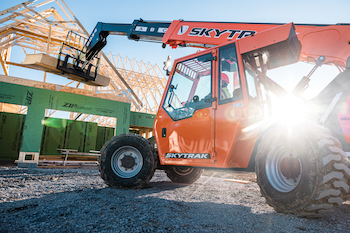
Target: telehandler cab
(217, 111)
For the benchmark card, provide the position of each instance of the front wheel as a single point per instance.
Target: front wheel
(305, 174)
(127, 161)
(186, 175)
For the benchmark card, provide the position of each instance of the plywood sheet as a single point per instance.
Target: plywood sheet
(54, 87)
(47, 63)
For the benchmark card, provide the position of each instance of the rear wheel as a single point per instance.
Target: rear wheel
(127, 161)
(186, 175)
(306, 175)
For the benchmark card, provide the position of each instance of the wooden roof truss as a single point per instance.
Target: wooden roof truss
(41, 26)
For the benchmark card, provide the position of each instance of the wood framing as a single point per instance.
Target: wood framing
(39, 27)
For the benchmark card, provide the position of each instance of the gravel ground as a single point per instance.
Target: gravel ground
(77, 200)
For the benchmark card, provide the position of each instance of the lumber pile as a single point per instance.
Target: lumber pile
(47, 63)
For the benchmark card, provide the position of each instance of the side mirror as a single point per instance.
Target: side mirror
(166, 65)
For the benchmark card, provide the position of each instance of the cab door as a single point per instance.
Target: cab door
(236, 110)
(184, 125)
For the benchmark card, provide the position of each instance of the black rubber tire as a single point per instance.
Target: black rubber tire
(108, 161)
(184, 175)
(324, 179)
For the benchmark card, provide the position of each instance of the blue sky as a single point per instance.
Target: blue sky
(89, 12)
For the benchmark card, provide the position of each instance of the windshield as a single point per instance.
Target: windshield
(189, 88)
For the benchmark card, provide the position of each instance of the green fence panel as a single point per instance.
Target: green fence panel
(10, 135)
(75, 135)
(53, 136)
(100, 138)
(103, 135)
(109, 133)
(90, 136)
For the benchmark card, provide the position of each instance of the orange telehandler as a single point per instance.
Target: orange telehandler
(217, 111)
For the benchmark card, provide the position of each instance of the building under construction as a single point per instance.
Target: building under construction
(40, 114)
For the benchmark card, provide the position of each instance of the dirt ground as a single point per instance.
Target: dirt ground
(71, 199)
(228, 174)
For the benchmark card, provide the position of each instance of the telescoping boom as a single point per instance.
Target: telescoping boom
(179, 33)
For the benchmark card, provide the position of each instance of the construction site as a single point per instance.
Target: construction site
(246, 130)
(124, 97)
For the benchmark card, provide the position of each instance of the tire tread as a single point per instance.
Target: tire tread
(333, 175)
(188, 179)
(139, 183)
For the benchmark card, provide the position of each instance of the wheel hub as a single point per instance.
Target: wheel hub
(128, 161)
(283, 168)
(183, 171)
(290, 168)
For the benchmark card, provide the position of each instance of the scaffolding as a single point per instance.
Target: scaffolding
(41, 26)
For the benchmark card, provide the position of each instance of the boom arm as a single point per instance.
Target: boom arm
(138, 30)
(330, 41)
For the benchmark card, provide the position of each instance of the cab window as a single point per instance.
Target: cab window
(255, 86)
(229, 80)
(190, 87)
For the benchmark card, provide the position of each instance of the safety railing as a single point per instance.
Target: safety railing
(72, 57)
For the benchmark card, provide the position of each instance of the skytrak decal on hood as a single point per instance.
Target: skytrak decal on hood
(187, 156)
(215, 32)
